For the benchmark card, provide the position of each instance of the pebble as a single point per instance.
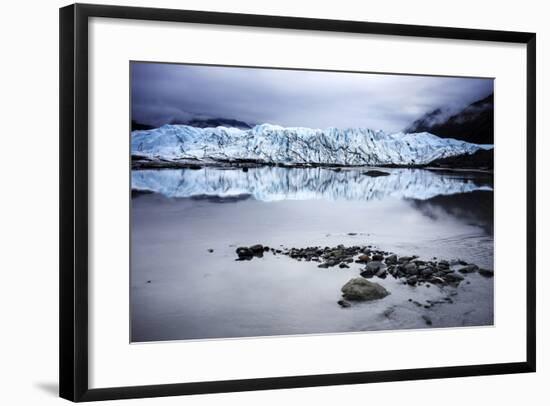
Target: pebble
(427, 320)
(343, 303)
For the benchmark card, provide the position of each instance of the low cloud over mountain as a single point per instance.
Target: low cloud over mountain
(475, 123)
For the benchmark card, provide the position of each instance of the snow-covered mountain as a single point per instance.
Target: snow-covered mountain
(270, 183)
(273, 144)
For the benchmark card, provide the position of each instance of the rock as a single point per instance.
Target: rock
(194, 166)
(453, 277)
(245, 169)
(374, 266)
(375, 173)
(335, 253)
(348, 260)
(332, 262)
(377, 257)
(443, 264)
(323, 265)
(343, 265)
(427, 320)
(468, 269)
(362, 289)
(352, 233)
(488, 273)
(210, 250)
(410, 268)
(403, 260)
(257, 249)
(437, 279)
(381, 273)
(412, 280)
(363, 259)
(391, 260)
(244, 253)
(344, 304)
(426, 272)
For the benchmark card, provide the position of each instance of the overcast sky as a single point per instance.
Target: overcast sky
(164, 93)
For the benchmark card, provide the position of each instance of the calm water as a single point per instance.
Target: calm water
(194, 294)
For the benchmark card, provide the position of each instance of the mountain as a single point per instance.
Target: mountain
(215, 122)
(198, 122)
(271, 144)
(481, 159)
(475, 123)
(140, 126)
(269, 183)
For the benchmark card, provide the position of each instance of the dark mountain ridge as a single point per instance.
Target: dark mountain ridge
(475, 123)
(199, 123)
(215, 122)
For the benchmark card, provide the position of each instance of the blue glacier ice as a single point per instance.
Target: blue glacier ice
(272, 144)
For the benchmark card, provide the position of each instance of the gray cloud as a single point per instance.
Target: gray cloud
(162, 93)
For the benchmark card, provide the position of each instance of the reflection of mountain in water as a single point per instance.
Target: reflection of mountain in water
(475, 208)
(275, 183)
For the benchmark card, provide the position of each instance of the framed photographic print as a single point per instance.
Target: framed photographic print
(257, 202)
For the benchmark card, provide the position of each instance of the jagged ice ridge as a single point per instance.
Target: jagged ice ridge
(271, 144)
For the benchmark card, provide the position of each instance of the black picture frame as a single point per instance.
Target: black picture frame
(73, 180)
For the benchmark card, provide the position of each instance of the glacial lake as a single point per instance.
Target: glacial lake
(180, 290)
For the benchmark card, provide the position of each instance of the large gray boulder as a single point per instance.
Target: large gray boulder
(362, 289)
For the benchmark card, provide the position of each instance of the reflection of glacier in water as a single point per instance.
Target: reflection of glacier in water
(276, 183)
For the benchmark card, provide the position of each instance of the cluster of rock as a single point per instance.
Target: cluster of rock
(415, 271)
(247, 253)
(410, 269)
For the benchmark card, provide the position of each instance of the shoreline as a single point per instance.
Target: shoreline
(141, 162)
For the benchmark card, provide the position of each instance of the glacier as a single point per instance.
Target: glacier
(273, 144)
(271, 184)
